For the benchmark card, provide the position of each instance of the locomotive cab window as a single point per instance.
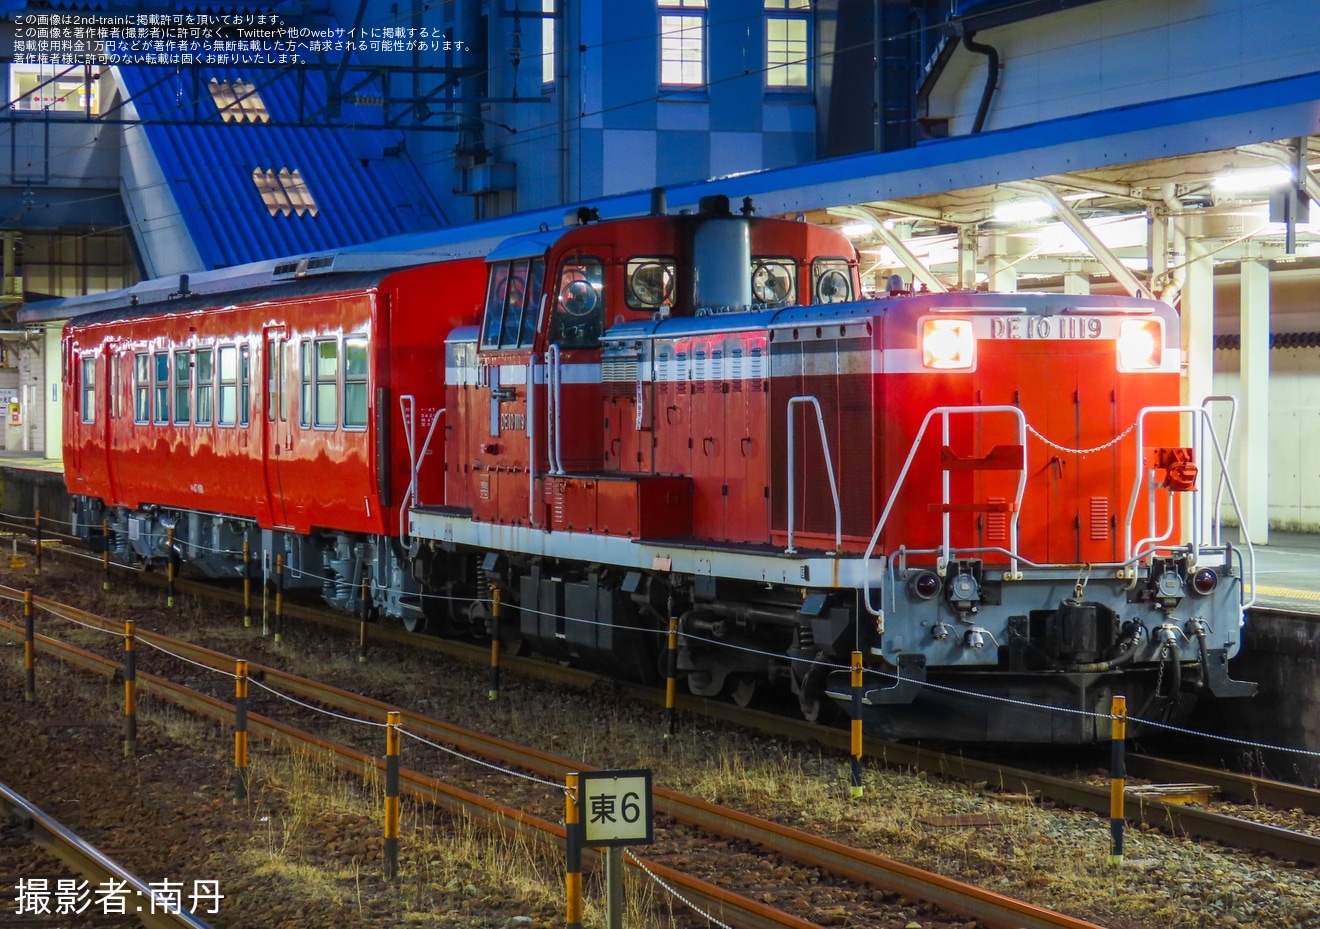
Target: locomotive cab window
(774, 281)
(89, 388)
(512, 301)
(649, 283)
(579, 314)
(831, 280)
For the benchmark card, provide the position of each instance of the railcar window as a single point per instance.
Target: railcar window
(327, 383)
(579, 304)
(774, 281)
(355, 382)
(228, 411)
(205, 386)
(244, 384)
(649, 283)
(162, 382)
(182, 387)
(141, 388)
(286, 362)
(305, 384)
(831, 280)
(113, 362)
(89, 388)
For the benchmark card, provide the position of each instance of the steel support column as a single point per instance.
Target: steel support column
(999, 264)
(1254, 442)
(1198, 343)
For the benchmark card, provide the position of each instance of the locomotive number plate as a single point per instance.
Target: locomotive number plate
(1045, 327)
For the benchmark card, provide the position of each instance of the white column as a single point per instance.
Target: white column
(967, 257)
(1254, 439)
(1197, 309)
(999, 265)
(1076, 282)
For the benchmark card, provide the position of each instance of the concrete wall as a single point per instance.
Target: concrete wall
(1119, 52)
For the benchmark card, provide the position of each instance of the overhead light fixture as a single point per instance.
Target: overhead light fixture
(1021, 211)
(1253, 179)
(855, 230)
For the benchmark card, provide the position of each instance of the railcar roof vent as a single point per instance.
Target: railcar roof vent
(713, 205)
(301, 267)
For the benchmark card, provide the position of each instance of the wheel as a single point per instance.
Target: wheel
(818, 709)
(415, 622)
(745, 690)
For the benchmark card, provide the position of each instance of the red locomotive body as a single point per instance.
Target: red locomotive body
(696, 416)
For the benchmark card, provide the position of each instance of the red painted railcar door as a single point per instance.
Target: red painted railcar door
(275, 433)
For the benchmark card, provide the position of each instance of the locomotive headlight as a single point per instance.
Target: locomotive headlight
(947, 343)
(1140, 345)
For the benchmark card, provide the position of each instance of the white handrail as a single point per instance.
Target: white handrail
(552, 373)
(1228, 445)
(945, 412)
(408, 411)
(829, 464)
(531, 441)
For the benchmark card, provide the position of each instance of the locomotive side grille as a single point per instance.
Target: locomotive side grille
(1099, 519)
(756, 367)
(618, 376)
(736, 368)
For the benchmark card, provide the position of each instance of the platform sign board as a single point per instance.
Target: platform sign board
(614, 807)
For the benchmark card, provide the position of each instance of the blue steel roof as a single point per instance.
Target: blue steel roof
(362, 194)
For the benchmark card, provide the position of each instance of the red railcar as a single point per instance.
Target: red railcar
(696, 416)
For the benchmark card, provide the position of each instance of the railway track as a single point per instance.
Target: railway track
(98, 869)
(968, 902)
(1178, 818)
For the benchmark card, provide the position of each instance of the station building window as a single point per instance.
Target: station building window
(787, 44)
(238, 101)
(285, 192)
(682, 43)
(55, 88)
(547, 41)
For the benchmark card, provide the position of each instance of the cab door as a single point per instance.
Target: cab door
(277, 440)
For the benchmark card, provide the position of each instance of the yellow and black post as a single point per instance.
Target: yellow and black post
(392, 739)
(29, 649)
(1117, 778)
(279, 596)
(171, 566)
(36, 544)
(573, 871)
(671, 672)
(247, 582)
(105, 554)
(364, 610)
(240, 730)
(495, 606)
(856, 787)
(130, 690)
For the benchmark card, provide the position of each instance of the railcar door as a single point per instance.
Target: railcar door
(277, 440)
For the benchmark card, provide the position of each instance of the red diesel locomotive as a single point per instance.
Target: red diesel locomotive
(695, 415)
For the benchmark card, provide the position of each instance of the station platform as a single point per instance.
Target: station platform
(31, 461)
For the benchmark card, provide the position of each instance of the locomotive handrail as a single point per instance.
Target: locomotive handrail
(829, 465)
(531, 440)
(1228, 444)
(552, 373)
(944, 412)
(1198, 440)
(408, 410)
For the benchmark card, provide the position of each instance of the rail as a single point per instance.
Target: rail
(829, 470)
(944, 412)
(1133, 552)
(92, 864)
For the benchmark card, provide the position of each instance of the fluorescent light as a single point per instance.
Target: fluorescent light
(1254, 179)
(1020, 211)
(855, 230)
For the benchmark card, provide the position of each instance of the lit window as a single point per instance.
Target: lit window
(238, 101)
(787, 44)
(548, 42)
(58, 88)
(89, 389)
(141, 388)
(305, 385)
(683, 43)
(284, 191)
(182, 387)
(355, 382)
(327, 383)
(162, 382)
(205, 386)
(244, 384)
(228, 385)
